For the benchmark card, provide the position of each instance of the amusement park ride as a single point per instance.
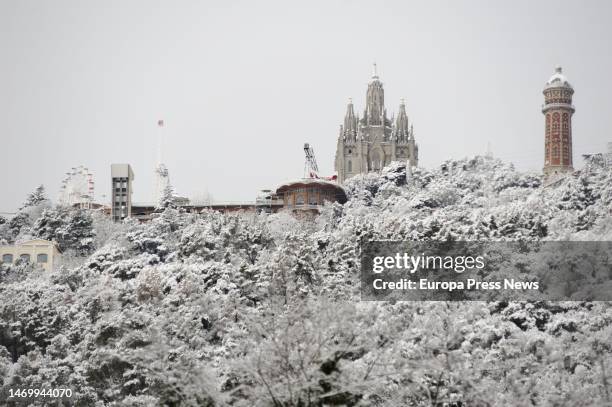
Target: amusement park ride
(77, 188)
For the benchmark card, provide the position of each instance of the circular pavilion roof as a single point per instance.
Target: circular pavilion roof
(310, 182)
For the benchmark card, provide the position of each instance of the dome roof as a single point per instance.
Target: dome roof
(558, 80)
(322, 183)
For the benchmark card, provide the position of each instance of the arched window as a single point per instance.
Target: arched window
(7, 258)
(350, 166)
(24, 257)
(299, 200)
(42, 258)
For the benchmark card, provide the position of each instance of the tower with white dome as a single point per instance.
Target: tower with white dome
(558, 111)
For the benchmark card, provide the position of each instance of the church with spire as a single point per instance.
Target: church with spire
(369, 143)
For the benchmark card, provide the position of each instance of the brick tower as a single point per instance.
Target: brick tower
(558, 111)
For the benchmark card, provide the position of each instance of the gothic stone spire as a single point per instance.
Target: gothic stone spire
(375, 101)
(350, 123)
(401, 131)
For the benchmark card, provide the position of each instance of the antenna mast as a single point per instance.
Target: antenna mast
(162, 179)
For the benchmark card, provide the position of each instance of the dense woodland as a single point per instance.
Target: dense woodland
(264, 310)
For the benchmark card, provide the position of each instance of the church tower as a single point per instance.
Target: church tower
(558, 111)
(375, 102)
(372, 142)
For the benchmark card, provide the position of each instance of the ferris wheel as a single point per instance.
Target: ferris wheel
(77, 188)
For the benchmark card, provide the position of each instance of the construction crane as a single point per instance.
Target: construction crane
(311, 169)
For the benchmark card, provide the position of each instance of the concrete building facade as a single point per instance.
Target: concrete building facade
(558, 111)
(121, 191)
(370, 143)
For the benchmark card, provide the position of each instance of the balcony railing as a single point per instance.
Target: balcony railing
(304, 206)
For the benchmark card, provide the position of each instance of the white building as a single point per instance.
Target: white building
(38, 251)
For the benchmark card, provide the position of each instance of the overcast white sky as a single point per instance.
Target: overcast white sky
(242, 85)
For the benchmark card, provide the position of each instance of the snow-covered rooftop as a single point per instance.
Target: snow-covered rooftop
(310, 181)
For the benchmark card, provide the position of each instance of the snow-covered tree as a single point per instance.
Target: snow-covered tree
(167, 199)
(19, 227)
(264, 309)
(21, 221)
(71, 228)
(37, 197)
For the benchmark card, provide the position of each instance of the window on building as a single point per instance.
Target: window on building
(24, 257)
(299, 200)
(7, 258)
(42, 258)
(350, 166)
(312, 198)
